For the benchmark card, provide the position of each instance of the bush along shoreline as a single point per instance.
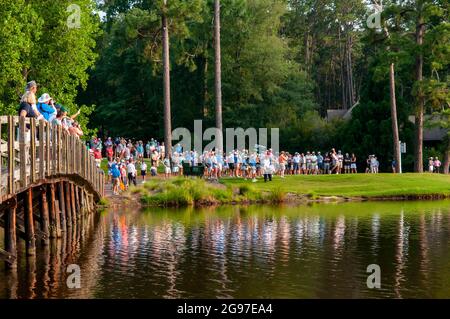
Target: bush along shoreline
(183, 192)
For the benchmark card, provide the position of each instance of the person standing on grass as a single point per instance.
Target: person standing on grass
(437, 165)
(394, 166)
(268, 166)
(320, 162)
(123, 173)
(347, 164)
(143, 170)
(115, 173)
(334, 161)
(167, 170)
(340, 158)
(373, 164)
(131, 170)
(368, 164)
(314, 166)
(308, 163)
(353, 167)
(252, 163)
(430, 165)
(176, 163)
(326, 163)
(147, 150)
(155, 157)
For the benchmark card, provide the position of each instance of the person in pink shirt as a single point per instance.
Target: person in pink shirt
(437, 165)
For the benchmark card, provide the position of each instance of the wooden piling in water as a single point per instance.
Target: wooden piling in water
(68, 205)
(44, 215)
(30, 240)
(74, 209)
(55, 229)
(62, 207)
(10, 235)
(77, 201)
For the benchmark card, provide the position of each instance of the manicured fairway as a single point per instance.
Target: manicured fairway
(355, 185)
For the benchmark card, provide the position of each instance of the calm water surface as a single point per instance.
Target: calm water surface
(317, 251)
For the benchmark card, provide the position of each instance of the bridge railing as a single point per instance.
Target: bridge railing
(33, 151)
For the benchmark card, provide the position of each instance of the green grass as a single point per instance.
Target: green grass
(354, 185)
(182, 191)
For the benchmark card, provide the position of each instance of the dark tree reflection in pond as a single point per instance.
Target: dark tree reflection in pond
(316, 251)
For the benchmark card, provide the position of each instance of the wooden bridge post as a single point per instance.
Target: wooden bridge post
(45, 225)
(29, 223)
(11, 155)
(82, 202)
(41, 149)
(78, 199)
(62, 206)
(55, 230)
(22, 153)
(72, 202)
(33, 150)
(48, 160)
(68, 206)
(10, 234)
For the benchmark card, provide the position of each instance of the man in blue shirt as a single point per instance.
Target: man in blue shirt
(115, 173)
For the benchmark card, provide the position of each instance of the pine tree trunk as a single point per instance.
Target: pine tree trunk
(218, 75)
(418, 151)
(166, 79)
(395, 137)
(205, 87)
(447, 157)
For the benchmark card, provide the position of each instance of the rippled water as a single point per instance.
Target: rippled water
(318, 251)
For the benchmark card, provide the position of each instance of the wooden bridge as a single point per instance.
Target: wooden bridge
(49, 184)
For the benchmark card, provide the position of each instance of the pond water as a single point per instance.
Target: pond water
(310, 251)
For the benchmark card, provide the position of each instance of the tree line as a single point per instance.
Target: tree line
(148, 66)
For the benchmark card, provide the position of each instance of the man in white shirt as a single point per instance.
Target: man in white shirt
(131, 170)
(268, 165)
(143, 169)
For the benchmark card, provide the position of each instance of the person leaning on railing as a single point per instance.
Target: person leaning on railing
(27, 106)
(76, 130)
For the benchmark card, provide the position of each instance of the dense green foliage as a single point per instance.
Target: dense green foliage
(284, 64)
(38, 42)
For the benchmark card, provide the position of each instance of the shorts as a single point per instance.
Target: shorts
(231, 165)
(282, 166)
(176, 169)
(167, 170)
(295, 166)
(308, 166)
(353, 166)
(303, 166)
(347, 167)
(143, 173)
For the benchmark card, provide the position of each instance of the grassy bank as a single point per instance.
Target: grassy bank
(358, 185)
(187, 191)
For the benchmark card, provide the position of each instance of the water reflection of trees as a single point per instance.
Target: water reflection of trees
(248, 252)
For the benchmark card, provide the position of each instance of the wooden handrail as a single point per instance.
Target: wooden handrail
(37, 150)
